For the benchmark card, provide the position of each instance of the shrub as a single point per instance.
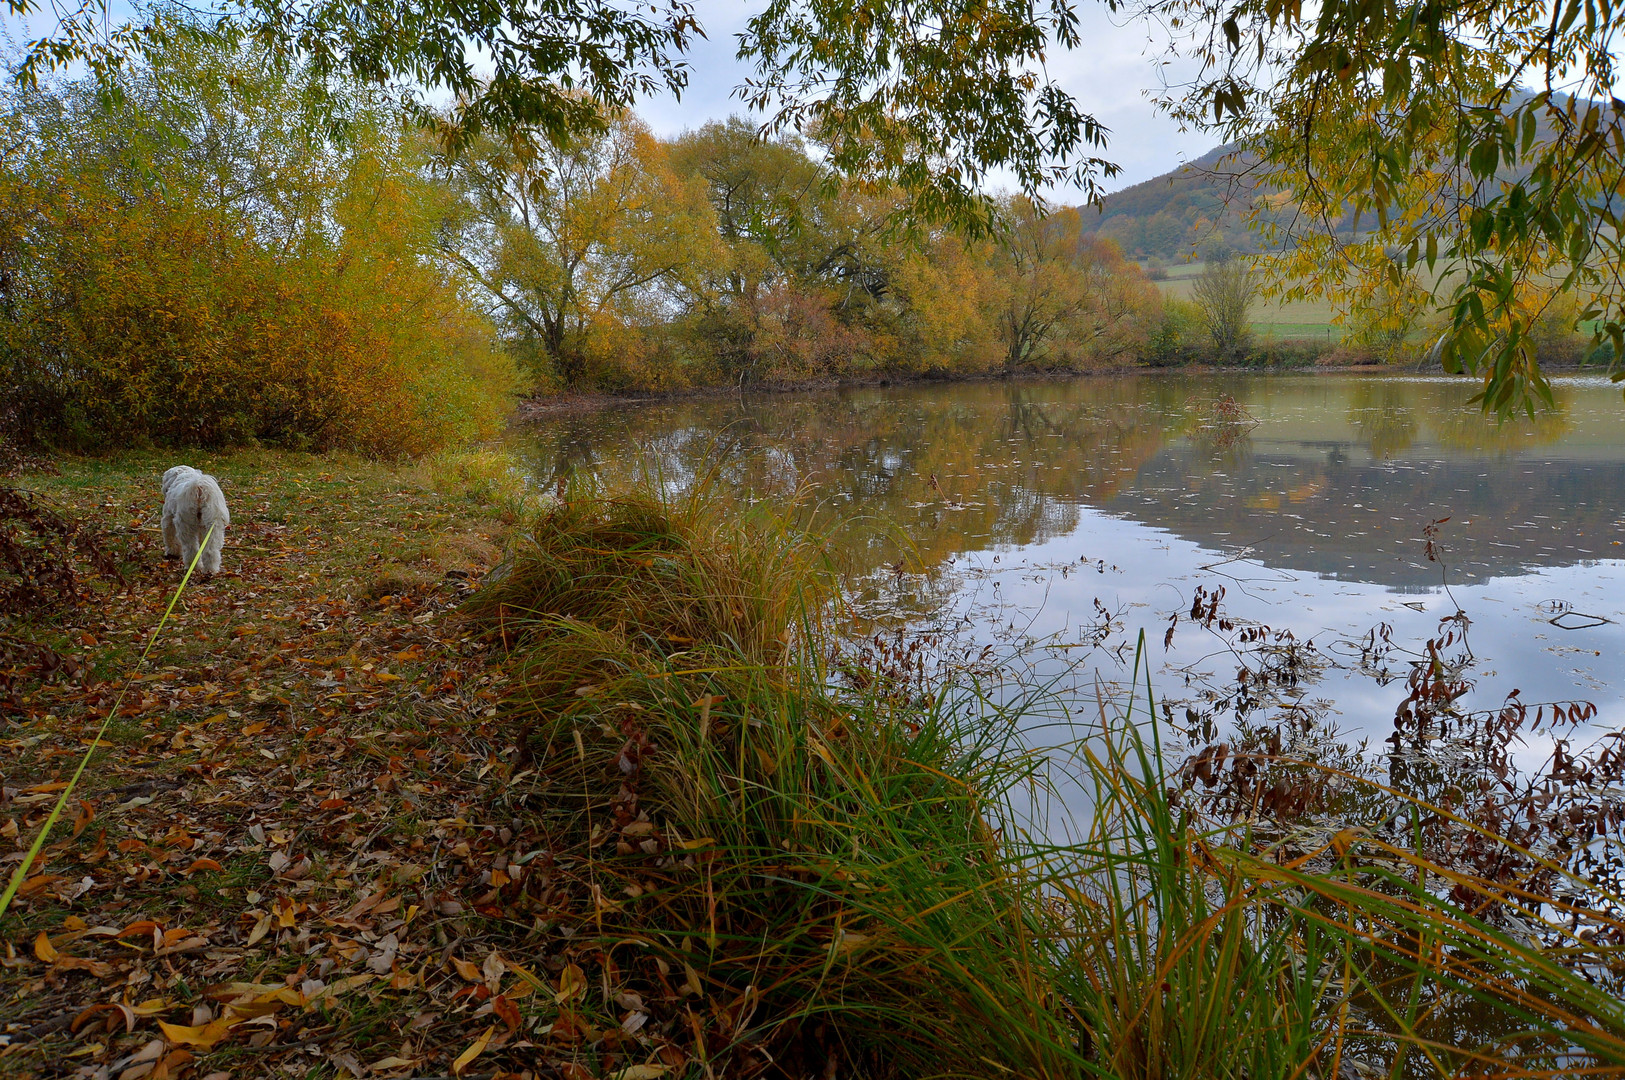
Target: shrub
(1175, 338)
(199, 262)
(1224, 292)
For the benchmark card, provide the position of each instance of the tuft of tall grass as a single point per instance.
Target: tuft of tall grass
(485, 476)
(792, 877)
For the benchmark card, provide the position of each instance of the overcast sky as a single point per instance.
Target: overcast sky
(1110, 76)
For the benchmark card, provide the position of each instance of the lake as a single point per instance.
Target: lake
(1064, 517)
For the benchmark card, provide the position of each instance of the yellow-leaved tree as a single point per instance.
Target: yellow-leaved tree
(229, 251)
(583, 247)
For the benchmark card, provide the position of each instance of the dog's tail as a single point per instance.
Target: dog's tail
(201, 498)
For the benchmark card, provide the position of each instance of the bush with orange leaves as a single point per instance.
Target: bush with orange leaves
(213, 258)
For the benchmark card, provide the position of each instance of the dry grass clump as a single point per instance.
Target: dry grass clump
(601, 587)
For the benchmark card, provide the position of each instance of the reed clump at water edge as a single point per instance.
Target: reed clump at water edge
(755, 870)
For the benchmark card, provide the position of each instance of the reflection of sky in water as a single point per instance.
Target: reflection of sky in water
(1152, 574)
(1311, 520)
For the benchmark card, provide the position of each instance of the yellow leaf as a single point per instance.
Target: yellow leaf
(44, 949)
(468, 970)
(572, 983)
(640, 1072)
(698, 842)
(205, 1036)
(261, 928)
(472, 1052)
(392, 1062)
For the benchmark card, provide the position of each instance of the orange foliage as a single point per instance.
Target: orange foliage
(153, 310)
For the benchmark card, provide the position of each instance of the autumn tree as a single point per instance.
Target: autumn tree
(1224, 293)
(225, 251)
(1066, 298)
(581, 239)
(808, 287)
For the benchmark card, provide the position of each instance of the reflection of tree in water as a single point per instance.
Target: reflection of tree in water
(1468, 429)
(1383, 414)
(1013, 463)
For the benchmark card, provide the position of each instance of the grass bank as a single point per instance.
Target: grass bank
(614, 817)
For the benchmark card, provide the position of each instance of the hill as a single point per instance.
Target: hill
(1175, 216)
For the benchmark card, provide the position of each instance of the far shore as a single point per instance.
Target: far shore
(564, 403)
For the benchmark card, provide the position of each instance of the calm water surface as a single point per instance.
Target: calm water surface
(1073, 514)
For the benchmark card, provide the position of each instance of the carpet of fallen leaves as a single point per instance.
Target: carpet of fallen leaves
(291, 853)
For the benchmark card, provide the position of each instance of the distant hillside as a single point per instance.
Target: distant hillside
(1176, 215)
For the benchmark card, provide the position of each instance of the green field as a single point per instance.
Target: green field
(1292, 320)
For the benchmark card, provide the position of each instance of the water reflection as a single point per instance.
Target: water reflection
(1041, 504)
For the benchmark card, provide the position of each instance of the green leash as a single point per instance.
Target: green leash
(56, 811)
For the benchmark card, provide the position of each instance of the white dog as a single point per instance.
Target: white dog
(192, 504)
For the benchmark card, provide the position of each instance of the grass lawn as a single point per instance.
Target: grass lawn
(290, 845)
(1293, 320)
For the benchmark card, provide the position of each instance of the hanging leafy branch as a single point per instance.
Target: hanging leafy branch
(1482, 140)
(931, 96)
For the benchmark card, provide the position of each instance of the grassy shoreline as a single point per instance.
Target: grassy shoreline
(614, 818)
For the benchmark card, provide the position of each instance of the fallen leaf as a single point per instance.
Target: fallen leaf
(572, 983)
(640, 1072)
(472, 1052)
(506, 1011)
(44, 950)
(87, 814)
(76, 963)
(261, 928)
(468, 970)
(38, 883)
(205, 1036)
(392, 1062)
(123, 1011)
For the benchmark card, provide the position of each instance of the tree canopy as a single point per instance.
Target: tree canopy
(1480, 140)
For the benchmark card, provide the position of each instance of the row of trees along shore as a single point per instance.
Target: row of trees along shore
(225, 252)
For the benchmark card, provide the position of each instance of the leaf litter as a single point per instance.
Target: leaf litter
(288, 855)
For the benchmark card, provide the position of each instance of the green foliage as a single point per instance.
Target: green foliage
(1484, 141)
(930, 100)
(1224, 294)
(1176, 337)
(210, 258)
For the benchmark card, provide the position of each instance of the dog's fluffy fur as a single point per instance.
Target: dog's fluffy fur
(192, 504)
